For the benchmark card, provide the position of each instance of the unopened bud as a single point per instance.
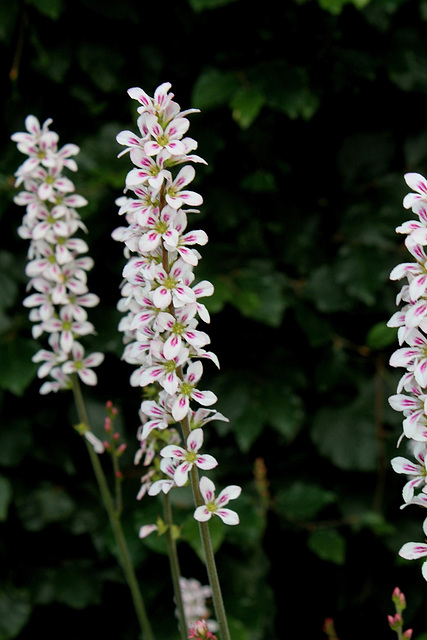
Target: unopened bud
(408, 634)
(395, 622)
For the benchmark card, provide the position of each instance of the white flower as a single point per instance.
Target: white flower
(215, 506)
(188, 457)
(56, 268)
(416, 550)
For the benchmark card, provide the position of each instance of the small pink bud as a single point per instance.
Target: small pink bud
(116, 436)
(395, 622)
(408, 634)
(107, 424)
(109, 405)
(119, 475)
(396, 593)
(121, 449)
(107, 445)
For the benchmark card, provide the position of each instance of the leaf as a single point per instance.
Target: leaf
(5, 497)
(15, 610)
(328, 545)
(303, 500)
(15, 441)
(8, 280)
(292, 95)
(16, 369)
(360, 271)
(259, 292)
(259, 181)
(347, 435)
(50, 8)
(75, 585)
(237, 629)
(191, 534)
(102, 64)
(246, 105)
(324, 290)
(46, 504)
(381, 336)
(202, 5)
(9, 13)
(336, 6)
(214, 88)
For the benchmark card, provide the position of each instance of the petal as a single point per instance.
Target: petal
(173, 451)
(180, 408)
(413, 550)
(228, 516)
(402, 465)
(207, 489)
(206, 462)
(202, 514)
(229, 493)
(146, 529)
(205, 398)
(195, 440)
(181, 473)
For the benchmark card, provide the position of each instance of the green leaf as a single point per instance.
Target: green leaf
(246, 105)
(347, 435)
(260, 181)
(202, 5)
(75, 585)
(15, 610)
(102, 64)
(259, 292)
(46, 504)
(284, 411)
(16, 368)
(190, 533)
(376, 522)
(324, 290)
(9, 13)
(292, 95)
(381, 336)
(336, 6)
(328, 545)
(214, 88)
(15, 441)
(237, 629)
(5, 497)
(8, 279)
(303, 500)
(50, 8)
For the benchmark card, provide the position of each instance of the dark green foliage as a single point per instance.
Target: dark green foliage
(312, 111)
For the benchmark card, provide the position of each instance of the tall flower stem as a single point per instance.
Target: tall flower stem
(206, 540)
(174, 566)
(114, 519)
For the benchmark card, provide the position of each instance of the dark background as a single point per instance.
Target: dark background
(311, 113)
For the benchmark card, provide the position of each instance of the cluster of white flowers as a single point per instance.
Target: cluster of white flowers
(411, 321)
(56, 268)
(194, 597)
(160, 298)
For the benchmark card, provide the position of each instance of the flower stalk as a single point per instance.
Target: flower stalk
(57, 271)
(411, 323)
(162, 307)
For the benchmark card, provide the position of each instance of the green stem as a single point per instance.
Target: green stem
(114, 521)
(174, 565)
(206, 540)
(194, 479)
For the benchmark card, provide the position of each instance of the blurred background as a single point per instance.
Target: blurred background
(311, 112)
